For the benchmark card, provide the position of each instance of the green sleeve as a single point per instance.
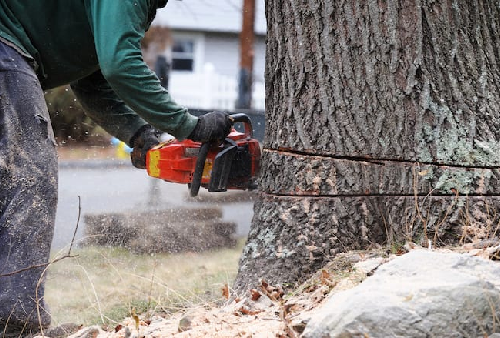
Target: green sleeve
(118, 28)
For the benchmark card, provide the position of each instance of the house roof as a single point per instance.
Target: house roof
(209, 15)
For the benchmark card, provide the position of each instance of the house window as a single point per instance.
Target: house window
(183, 55)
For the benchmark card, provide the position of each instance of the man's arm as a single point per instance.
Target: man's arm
(118, 28)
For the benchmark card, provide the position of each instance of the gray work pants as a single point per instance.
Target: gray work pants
(28, 192)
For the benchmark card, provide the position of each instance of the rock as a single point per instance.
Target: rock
(62, 330)
(88, 332)
(370, 265)
(298, 326)
(185, 323)
(419, 294)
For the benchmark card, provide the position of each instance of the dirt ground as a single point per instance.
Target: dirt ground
(266, 310)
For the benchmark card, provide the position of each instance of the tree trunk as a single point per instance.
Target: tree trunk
(382, 126)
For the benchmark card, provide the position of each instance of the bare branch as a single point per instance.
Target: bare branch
(45, 265)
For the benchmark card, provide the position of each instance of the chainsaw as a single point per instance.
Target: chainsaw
(218, 166)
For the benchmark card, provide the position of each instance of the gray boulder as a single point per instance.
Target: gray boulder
(419, 294)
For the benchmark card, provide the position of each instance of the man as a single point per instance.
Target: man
(95, 46)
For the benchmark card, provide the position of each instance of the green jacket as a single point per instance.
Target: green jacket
(95, 45)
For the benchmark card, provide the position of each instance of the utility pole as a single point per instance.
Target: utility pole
(247, 38)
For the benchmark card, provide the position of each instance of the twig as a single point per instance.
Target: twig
(152, 284)
(42, 276)
(95, 294)
(77, 223)
(8, 319)
(37, 299)
(44, 265)
(55, 260)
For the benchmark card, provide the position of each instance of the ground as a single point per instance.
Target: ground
(266, 311)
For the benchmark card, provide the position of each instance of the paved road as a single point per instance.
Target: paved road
(113, 187)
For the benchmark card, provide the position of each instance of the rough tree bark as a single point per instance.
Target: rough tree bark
(382, 126)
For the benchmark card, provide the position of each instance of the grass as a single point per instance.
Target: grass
(103, 284)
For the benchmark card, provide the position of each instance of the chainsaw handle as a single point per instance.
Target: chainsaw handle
(198, 169)
(205, 147)
(241, 117)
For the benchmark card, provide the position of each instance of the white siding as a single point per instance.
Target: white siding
(222, 51)
(209, 90)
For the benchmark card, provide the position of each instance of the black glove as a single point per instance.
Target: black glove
(144, 139)
(212, 126)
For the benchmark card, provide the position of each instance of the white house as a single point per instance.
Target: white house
(204, 52)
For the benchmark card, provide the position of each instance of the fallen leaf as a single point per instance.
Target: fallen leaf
(311, 288)
(401, 251)
(325, 277)
(264, 284)
(255, 295)
(225, 291)
(244, 310)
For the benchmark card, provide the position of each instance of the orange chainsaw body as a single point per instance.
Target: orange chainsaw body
(175, 161)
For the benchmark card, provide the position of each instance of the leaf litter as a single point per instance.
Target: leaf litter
(266, 310)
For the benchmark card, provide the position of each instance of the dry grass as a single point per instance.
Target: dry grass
(103, 285)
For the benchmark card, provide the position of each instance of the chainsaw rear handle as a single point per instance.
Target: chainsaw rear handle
(205, 147)
(198, 169)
